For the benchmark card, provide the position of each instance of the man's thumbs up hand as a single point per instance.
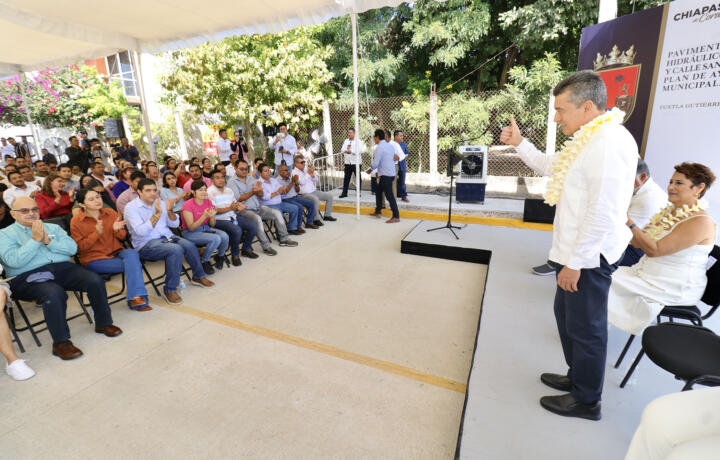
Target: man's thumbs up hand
(510, 135)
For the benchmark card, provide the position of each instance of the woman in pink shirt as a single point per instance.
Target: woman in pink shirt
(198, 223)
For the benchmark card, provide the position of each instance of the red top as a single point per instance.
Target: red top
(182, 178)
(91, 244)
(197, 210)
(50, 208)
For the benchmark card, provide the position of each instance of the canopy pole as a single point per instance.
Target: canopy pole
(358, 155)
(143, 102)
(33, 129)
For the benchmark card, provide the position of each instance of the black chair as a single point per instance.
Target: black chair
(690, 313)
(11, 324)
(691, 353)
(33, 327)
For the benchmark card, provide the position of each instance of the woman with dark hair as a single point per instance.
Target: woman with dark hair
(52, 200)
(84, 180)
(171, 191)
(5, 217)
(676, 242)
(207, 168)
(94, 184)
(239, 147)
(198, 223)
(98, 232)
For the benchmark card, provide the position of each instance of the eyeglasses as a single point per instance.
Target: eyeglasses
(26, 211)
(301, 162)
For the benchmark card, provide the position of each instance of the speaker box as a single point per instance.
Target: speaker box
(537, 211)
(114, 128)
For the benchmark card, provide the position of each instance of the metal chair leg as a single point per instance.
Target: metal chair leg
(28, 325)
(640, 354)
(624, 351)
(84, 308)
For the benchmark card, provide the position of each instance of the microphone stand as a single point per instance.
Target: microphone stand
(451, 173)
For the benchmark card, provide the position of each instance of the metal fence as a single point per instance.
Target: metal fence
(461, 119)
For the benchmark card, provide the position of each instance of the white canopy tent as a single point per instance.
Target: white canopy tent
(44, 33)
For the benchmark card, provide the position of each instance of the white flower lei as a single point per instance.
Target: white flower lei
(665, 220)
(572, 148)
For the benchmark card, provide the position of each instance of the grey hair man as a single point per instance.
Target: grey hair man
(591, 187)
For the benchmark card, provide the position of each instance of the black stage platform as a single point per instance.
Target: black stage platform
(442, 244)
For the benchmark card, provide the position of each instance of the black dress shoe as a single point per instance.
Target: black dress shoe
(208, 268)
(342, 196)
(249, 254)
(329, 219)
(236, 261)
(557, 381)
(318, 223)
(567, 406)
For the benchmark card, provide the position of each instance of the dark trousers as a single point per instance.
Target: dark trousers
(349, 171)
(53, 298)
(373, 184)
(385, 186)
(402, 172)
(631, 257)
(234, 228)
(582, 324)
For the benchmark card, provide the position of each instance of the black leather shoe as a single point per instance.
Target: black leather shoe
(318, 223)
(557, 381)
(208, 268)
(236, 261)
(329, 218)
(567, 406)
(342, 196)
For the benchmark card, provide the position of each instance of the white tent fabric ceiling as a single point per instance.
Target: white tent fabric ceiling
(43, 33)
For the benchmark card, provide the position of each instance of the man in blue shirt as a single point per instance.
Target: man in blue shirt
(384, 163)
(272, 198)
(38, 255)
(149, 220)
(402, 166)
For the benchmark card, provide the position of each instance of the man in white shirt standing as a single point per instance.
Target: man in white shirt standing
(6, 150)
(223, 147)
(307, 180)
(592, 183)
(351, 160)
(285, 147)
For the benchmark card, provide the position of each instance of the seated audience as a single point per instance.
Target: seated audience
(256, 172)
(247, 191)
(16, 368)
(198, 223)
(18, 188)
(229, 222)
(130, 194)
(41, 169)
(98, 232)
(207, 168)
(182, 175)
(6, 218)
(676, 243)
(97, 170)
(196, 173)
(48, 157)
(291, 197)
(65, 171)
(52, 166)
(29, 177)
(52, 200)
(123, 184)
(149, 220)
(307, 180)
(95, 185)
(171, 191)
(154, 173)
(38, 255)
(85, 178)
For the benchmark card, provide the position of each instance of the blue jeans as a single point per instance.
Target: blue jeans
(127, 261)
(212, 238)
(385, 187)
(290, 209)
(301, 204)
(402, 172)
(172, 252)
(53, 298)
(234, 228)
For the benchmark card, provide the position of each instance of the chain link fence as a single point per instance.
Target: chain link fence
(462, 119)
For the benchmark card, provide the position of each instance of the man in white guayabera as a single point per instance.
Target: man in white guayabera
(591, 185)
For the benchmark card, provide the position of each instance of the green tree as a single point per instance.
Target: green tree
(247, 80)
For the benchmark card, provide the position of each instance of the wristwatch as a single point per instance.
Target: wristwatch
(631, 226)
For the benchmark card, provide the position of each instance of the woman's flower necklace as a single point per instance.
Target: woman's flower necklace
(572, 148)
(665, 219)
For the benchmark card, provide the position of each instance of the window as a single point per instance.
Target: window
(120, 68)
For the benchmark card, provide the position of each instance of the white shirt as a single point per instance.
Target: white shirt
(223, 148)
(7, 151)
(290, 145)
(591, 214)
(648, 200)
(305, 181)
(398, 151)
(108, 181)
(15, 192)
(222, 199)
(352, 158)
